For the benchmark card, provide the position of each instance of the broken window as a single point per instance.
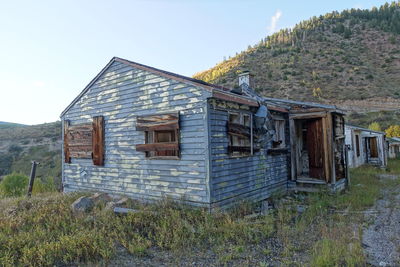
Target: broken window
(161, 135)
(240, 134)
(279, 137)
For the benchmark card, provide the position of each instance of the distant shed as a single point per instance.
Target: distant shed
(365, 146)
(394, 147)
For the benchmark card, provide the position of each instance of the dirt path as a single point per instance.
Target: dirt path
(381, 236)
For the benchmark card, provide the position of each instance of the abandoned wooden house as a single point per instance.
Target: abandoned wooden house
(393, 147)
(148, 134)
(365, 146)
(317, 145)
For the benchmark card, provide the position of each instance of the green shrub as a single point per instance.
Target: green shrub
(44, 185)
(13, 185)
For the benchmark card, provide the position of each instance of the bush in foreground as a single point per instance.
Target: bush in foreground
(14, 185)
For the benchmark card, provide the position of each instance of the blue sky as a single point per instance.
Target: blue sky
(50, 50)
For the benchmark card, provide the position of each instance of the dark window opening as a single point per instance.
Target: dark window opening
(358, 145)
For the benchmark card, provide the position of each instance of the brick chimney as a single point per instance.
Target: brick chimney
(246, 78)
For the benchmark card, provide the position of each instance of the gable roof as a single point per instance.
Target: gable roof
(363, 129)
(394, 139)
(217, 91)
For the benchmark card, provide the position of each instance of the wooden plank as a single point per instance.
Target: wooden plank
(235, 98)
(85, 127)
(308, 115)
(331, 157)
(307, 110)
(292, 134)
(157, 118)
(81, 154)
(98, 141)
(241, 149)
(67, 156)
(315, 148)
(158, 126)
(326, 150)
(79, 138)
(373, 144)
(238, 129)
(251, 135)
(158, 147)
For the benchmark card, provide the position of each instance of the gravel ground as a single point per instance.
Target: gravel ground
(254, 256)
(381, 237)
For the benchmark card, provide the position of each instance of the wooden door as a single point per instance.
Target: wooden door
(373, 146)
(315, 149)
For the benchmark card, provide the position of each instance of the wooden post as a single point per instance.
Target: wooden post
(32, 177)
(346, 155)
(251, 135)
(293, 152)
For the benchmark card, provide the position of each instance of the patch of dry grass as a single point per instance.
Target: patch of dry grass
(42, 231)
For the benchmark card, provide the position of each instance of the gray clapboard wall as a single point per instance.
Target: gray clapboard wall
(120, 94)
(250, 178)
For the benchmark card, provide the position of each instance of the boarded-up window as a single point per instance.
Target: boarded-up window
(161, 135)
(358, 145)
(279, 137)
(84, 141)
(240, 134)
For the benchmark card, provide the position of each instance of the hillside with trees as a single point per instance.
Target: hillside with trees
(351, 59)
(20, 144)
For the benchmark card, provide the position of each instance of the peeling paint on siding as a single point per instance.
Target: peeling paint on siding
(121, 94)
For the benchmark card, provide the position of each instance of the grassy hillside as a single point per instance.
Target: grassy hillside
(4, 124)
(21, 144)
(384, 118)
(352, 55)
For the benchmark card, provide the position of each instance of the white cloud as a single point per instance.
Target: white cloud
(274, 20)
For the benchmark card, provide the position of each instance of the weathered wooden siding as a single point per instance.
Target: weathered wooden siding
(245, 178)
(121, 94)
(354, 160)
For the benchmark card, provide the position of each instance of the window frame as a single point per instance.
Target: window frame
(156, 154)
(243, 141)
(279, 133)
(153, 124)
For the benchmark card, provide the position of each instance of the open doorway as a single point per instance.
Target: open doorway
(309, 148)
(371, 149)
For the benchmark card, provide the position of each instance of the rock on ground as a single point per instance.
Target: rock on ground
(82, 204)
